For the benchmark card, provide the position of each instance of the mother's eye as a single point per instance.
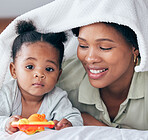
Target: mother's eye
(30, 67)
(49, 69)
(103, 48)
(82, 46)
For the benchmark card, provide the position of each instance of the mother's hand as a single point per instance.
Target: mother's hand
(90, 120)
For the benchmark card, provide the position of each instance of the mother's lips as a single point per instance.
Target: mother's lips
(95, 71)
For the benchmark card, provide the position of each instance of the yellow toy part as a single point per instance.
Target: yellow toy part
(35, 123)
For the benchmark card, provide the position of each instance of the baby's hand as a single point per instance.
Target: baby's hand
(8, 126)
(62, 124)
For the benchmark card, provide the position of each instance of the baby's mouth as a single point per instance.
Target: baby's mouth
(38, 84)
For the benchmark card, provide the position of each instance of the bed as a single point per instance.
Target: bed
(58, 23)
(80, 133)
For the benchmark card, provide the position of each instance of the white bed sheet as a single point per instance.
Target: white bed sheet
(80, 133)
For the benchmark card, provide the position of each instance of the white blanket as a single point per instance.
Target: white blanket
(80, 133)
(62, 15)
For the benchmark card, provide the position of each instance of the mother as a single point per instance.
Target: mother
(107, 87)
(115, 95)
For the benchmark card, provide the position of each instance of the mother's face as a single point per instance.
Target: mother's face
(105, 55)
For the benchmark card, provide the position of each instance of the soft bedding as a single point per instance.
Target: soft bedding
(80, 133)
(80, 13)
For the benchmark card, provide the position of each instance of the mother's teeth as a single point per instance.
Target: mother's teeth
(97, 71)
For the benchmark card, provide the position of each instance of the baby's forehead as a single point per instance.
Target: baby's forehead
(40, 45)
(38, 51)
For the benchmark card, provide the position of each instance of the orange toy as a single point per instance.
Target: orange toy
(35, 123)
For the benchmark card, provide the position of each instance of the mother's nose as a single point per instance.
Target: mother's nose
(92, 55)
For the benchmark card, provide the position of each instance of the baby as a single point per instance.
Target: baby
(36, 68)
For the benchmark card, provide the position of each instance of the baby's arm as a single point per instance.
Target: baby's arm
(62, 124)
(8, 127)
(7, 99)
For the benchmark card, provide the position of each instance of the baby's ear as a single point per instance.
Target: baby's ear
(12, 70)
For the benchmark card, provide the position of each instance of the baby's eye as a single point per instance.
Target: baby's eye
(30, 67)
(49, 69)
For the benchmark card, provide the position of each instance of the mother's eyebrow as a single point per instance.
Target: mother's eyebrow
(97, 40)
(104, 39)
(81, 38)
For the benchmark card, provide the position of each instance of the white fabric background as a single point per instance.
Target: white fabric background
(62, 15)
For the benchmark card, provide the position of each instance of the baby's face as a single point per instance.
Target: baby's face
(37, 68)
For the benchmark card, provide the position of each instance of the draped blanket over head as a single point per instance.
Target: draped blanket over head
(62, 15)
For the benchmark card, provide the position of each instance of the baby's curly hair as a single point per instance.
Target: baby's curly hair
(27, 34)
